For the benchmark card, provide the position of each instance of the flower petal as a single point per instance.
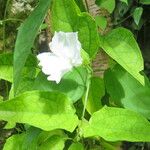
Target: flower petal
(67, 45)
(54, 66)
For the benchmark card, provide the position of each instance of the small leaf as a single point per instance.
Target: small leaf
(127, 92)
(145, 2)
(125, 1)
(117, 124)
(123, 48)
(25, 38)
(76, 146)
(45, 110)
(137, 15)
(101, 22)
(107, 4)
(96, 92)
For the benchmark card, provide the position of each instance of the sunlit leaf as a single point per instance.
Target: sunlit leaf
(117, 124)
(123, 48)
(45, 110)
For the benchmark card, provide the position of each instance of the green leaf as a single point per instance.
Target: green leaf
(118, 124)
(101, 22)
(81, 5)
(128, 92)
(145, 2)
(35, 138)
(107, 4)
(96, 92)
(125, 1)
(14, 142)
(6, 67)
(123, 48)
(25, 38)
(1, 98)
(55, 142)
(45, 110)
(67, 17)
(76, 146)
(72, 84)
(137, 14)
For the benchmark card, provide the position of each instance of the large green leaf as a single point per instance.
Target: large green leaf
(96, 92)
(117, 124)
(45, 110)
(25, 38)
(127, 92)
(123, 48)
(107, 4)
(67, 17)
(73, 83)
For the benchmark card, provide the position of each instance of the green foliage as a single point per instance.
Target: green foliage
(101, 22)
(137, 14)
(45, 110)
(115, 124)
(76, 146)
(125, 1)
(107, 4)
(96, 92)
(25, 39)
(72, 84)
(122, 47)
(145, 2)
(72, 114)
(35, 138)
(127, 92)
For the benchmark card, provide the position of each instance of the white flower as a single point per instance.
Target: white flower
(65, 55)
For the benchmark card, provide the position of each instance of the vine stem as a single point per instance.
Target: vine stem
(87, 92)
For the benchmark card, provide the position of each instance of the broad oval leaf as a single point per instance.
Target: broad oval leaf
(25, 38)
(45, 110)
(126, 91)
(117, 124)
(123, 48)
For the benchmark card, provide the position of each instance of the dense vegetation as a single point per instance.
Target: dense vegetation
(101, 103)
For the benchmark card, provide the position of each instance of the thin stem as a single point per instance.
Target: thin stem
(86, 97)
(123, 20)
